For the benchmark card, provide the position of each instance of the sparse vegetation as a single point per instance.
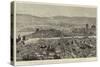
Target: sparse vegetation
(57, 49)
(43, 38)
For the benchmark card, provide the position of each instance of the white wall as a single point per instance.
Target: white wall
(5, 33)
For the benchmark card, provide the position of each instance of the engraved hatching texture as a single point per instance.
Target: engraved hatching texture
(54, 37)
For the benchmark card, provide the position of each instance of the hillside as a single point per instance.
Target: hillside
(45, 34)
(28, 23)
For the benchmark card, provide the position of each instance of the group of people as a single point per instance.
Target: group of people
(20, 39)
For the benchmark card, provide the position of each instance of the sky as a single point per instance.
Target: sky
(44, 10)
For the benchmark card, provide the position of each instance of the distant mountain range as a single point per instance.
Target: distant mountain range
(60, 19)
(29, 22)
(56, 17)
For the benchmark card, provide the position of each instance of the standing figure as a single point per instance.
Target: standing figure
(18, 39)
